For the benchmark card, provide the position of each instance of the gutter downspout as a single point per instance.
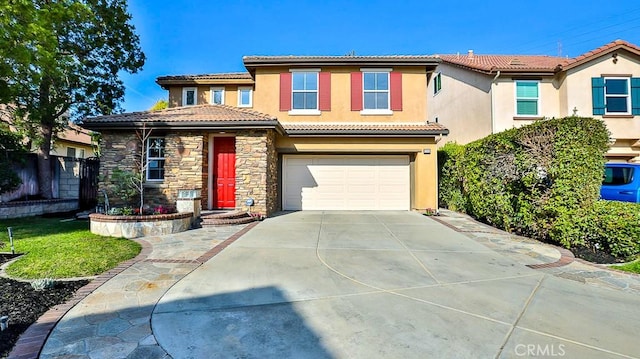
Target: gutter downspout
(493, 121)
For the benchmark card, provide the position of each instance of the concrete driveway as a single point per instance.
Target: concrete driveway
(384, 285)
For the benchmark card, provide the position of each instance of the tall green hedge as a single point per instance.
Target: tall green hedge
(532, 180)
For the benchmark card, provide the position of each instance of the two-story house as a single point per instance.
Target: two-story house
(475, 95)
(292, 133)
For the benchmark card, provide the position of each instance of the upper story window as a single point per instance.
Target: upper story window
(615, 95)
(245, 97)
(71, 152)
(155, 158)
(304, 90)
(376, 91)
(437, 83)
(217, 95)
(189, 96)
(527, 98)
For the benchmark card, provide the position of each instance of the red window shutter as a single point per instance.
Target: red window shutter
(324, 92)
(356, 91)
(285, 91)
(396, 91)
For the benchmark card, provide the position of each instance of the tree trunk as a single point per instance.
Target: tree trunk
(45, 176)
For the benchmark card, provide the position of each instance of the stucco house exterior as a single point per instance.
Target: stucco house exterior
(291, 133)
(475, 95)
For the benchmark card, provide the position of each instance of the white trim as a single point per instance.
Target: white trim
(184, 95)
(306, 111)
(148, 159)
(628, 95)
(301, 112)
(376, 112)
(240, 89)
(213, 89)
(434, 82)
(515, 102)
(365, 69)
(304, 70)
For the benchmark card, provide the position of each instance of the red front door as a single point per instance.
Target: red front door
(224, 172)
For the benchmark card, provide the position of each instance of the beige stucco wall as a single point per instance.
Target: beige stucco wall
(463, 105)
(61, 146)
(204, 94)
(504, 102)
(578, 89)
(425, 166)
(414, 84)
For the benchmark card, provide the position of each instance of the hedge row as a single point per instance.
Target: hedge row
(543, 181)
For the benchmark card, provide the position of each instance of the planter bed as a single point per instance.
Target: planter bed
(139, 226)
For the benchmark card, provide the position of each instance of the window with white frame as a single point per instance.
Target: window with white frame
(245, 97)
(437, 83)
(217, 95)
(616, 95)
(189, 96)
(304, 90)
(375, 90)
(527, 98)
(155, 158)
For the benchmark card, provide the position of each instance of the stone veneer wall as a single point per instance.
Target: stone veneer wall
(256, 170)
(183, 164)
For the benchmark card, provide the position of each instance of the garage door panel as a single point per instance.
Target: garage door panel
(331, 182)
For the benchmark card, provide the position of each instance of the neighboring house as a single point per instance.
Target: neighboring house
(476, 95)
(292, 133)
(74, 142)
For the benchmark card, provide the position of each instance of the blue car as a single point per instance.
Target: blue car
(621, 182)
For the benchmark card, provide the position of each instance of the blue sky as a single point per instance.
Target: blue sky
(208, 36)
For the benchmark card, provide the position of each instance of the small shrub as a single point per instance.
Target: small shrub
(43, 283)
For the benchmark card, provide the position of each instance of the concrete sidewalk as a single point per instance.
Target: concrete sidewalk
(350, 285)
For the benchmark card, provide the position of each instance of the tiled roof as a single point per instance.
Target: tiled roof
(531, 63)
(251, 62)
(77, 134)
(187, 116)
(365, 128)
(604, 49)
(218, 76)
(514, 63)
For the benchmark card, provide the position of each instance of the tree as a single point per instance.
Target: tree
(160, 105)
(59, 61)
(11, 152)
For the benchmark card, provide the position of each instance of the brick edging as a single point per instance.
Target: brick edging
(31, 342)
(566, 256)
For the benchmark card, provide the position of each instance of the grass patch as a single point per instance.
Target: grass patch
(633, 267)
(61, 249)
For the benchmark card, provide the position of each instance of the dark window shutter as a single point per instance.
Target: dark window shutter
(597, 95)
(356, 91)
(635, 95)
(395, 78)
(285, 91)
(324, 91)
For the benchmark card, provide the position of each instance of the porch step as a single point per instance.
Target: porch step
(226, 218)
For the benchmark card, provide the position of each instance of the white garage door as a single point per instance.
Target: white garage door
(329, 182)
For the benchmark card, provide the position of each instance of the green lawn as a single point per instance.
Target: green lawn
(55, 248)
(633, 267)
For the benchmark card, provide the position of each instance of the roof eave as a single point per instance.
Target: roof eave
(366, 133)
(184, 125)
(252, 63)
(177, 82)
